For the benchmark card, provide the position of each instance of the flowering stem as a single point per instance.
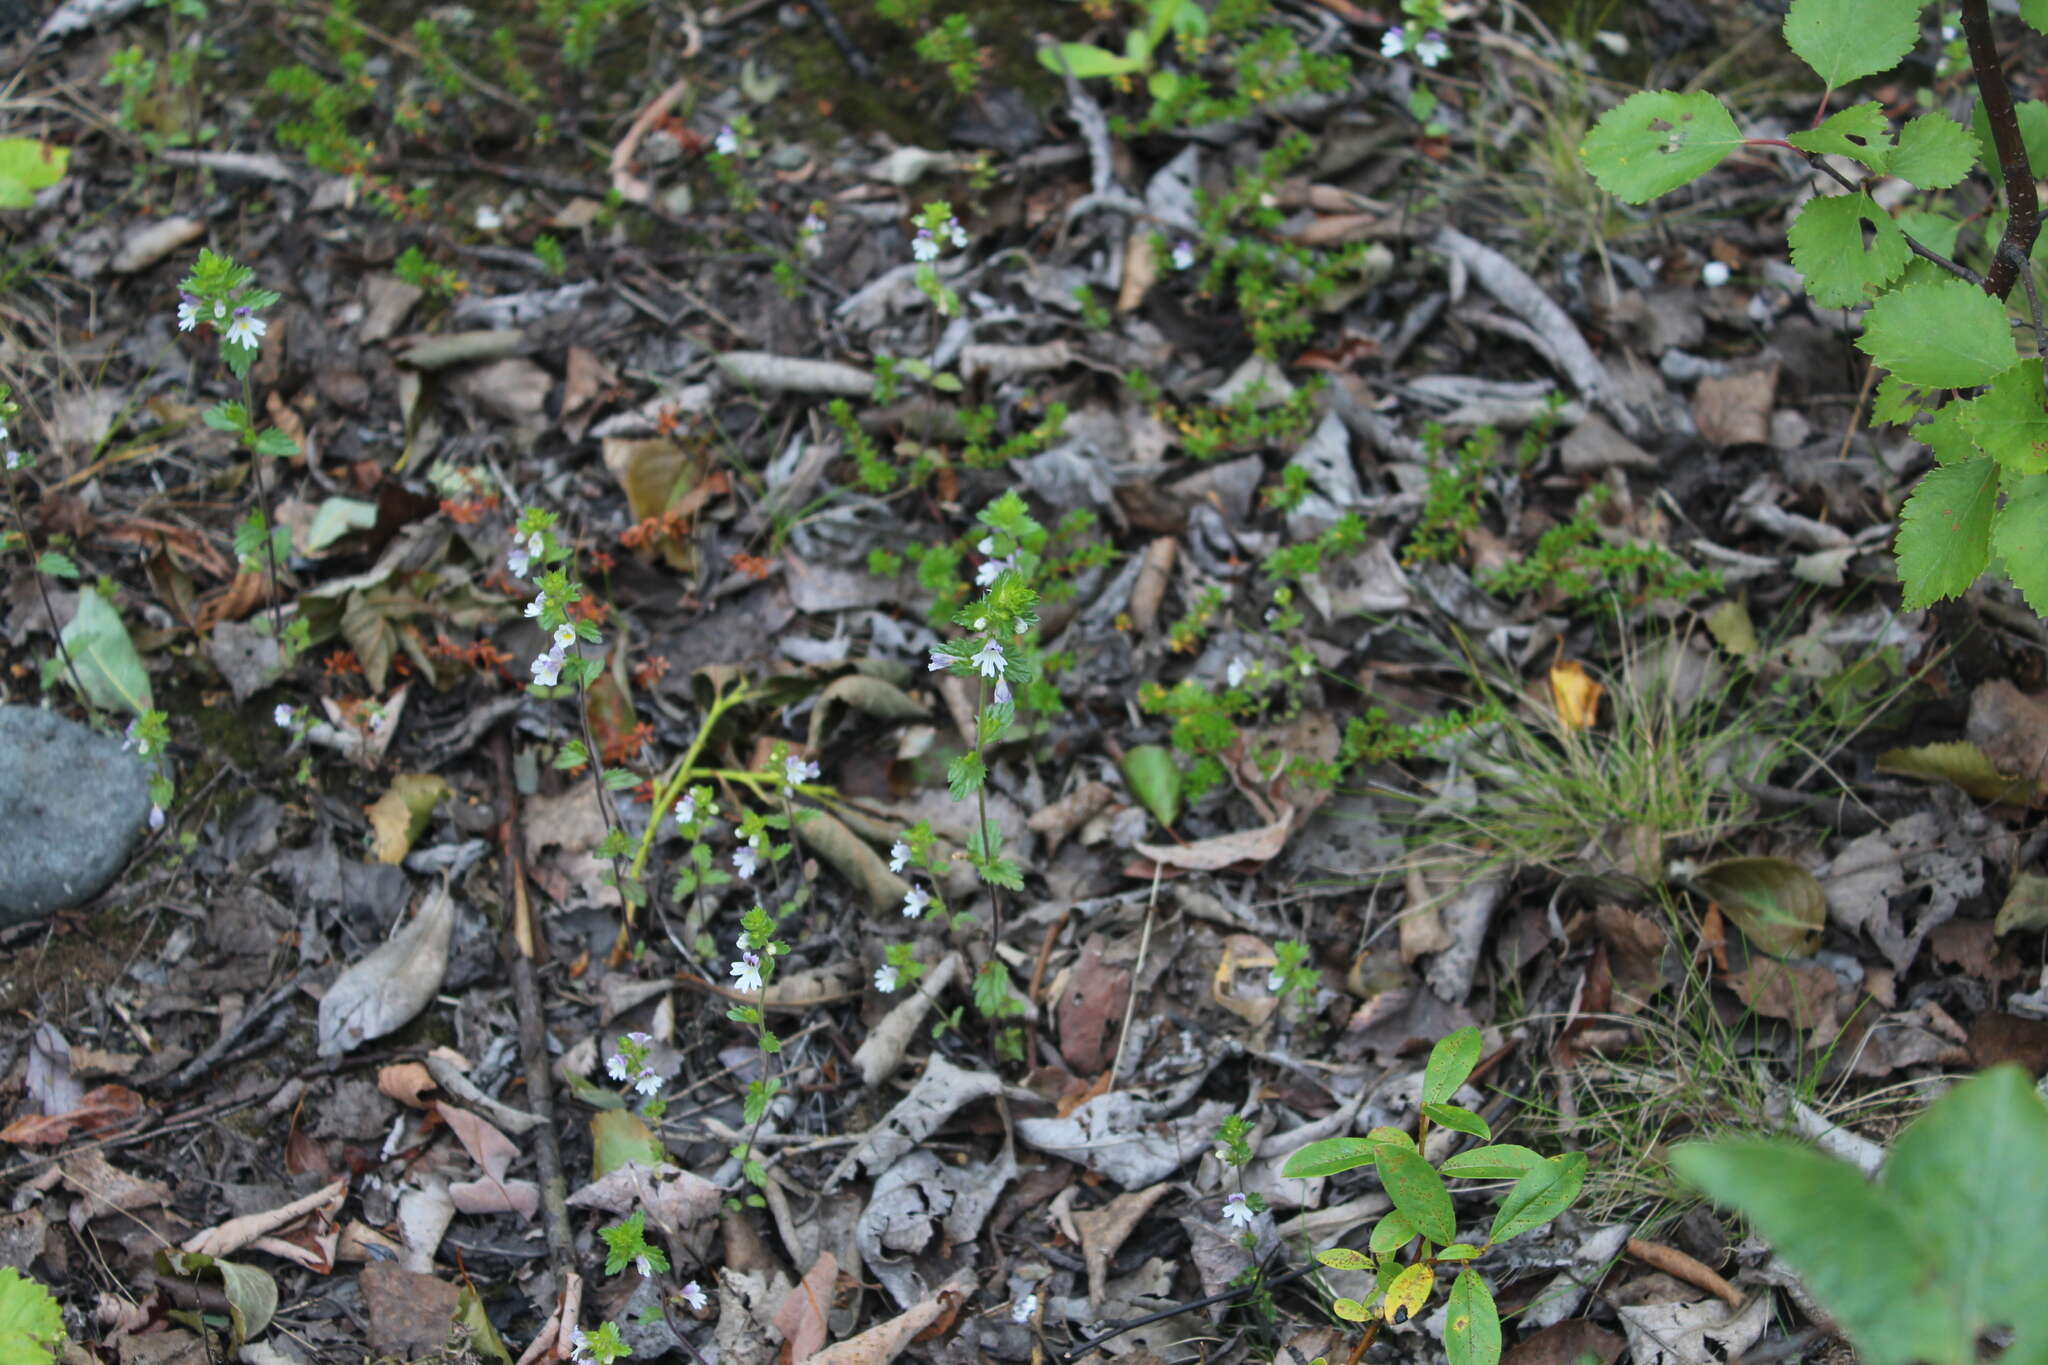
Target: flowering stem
(995, 896)
(685, 768)
(263, 510)
(43, 591)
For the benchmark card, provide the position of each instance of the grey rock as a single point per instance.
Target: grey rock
(73, 803)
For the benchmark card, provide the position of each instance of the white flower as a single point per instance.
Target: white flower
(693, 1296)
(1024, 1309)
(727, 142)
(745, 861)
(156, 816)
(1713, 274)
(13, 458)
(812, 225)
(746, 974)
(246, 329)
(1393, 43)
(283, 715)
(645, 1265)
(1002, 692)
(1183, 254)
(1235, 673)
(794, 771)
(987, 545)
(686, 809)
(914, 902)
(547, 668)
(1276, 982)
(955, 231)
(220, 309)
(537, 605)
(1237, 1212)
(991, 570)
(981, 623)
(648, 1084)
(488, 219)
(521, 557)
(188, 313)
(989, 659)
(899, 856)
(1432, 49)
(565, 635)
(1023, 626)
(617, 1067)
(885, 978)
(940, 660)
(924, 247)
(580, 1339)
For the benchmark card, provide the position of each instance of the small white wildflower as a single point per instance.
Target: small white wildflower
(648, 1084)
(956, 232)
(1713, 274)
(1024, 1309)
(899, 856)
(987, 546)
(1183, 254)
(617, 1067)
(547, 668)
(188, 312)
(1235, 674)
(1023, 627)
(645, 1265)
(488, 219)
(924, 247)
(520, 558)
(686, 809)
(537, 605)
(989, 659)
(693, 1296)
(1949, 33)
(13, 459)
(1393, 43)
(981, 623)
(914, 902)
(812, 225)
(282, 715)
(220, 309)
(1432, 49)
(1238, 1212)
(156, 816)
(940, 660)
(745, 861)
(746, 974)
(565, 635)
(1002, 692)
(727, 142)
(580, 1340)
(885, 978)
(1276, 982)
(991, 570)
(796, 771)
(246, 330)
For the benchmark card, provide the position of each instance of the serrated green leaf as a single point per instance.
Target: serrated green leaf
(1946, 435)
(2009, 421)
(104, 658)
(31, 1323)
(276, 443)
(1331, 1156)
(26, 166)
(964, 775)
(1846, 40)
(1471, 1323)
(1950, 335)
(2035, 12)
(1541, 1194)
(1944, 541)
(1458, 1119)
(1418, 1191)
(1155, 780)
(2019, 537)
(1896, 402)
(56, 564)
(1502, 1161)
(1450, 1062)
(1935, 231)
(1934, 152)
(1656, 140)
(1847, 248)
(1861, 132)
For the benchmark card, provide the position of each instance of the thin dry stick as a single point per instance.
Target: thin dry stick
(1123, 1036)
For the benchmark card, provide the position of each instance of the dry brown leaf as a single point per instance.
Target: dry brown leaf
(1254, 1003)
(801, 1317)
(101, 1108)
(404, 1082)
(883, 1342)
(1091, 1008)
(225, 1239)
(393, 983)
(1141, 269)
(1223, 850)
(1104, 1230)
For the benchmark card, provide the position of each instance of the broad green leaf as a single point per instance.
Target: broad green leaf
(56, 564)
(1472, 1322)
(1656, 140)
(1084, 61)
(1946, 1244)
(1399, 1137)
(1458, 1251)
(1458, 1119)
(1934, 152)
(1947, 435)
(26, 166)
(1155, 781)
(31, 1323)
(2035, 12)
(1418, 1191)
(104, 657)
(1351, 1310)
(2009, 421)
(617, 1137)
(1846, 247)
(1861, 132)
(1846, 40)
(1450, 1062)
(1504, 1161)
(1394, 1231)
(1331, 1156)
(2032, 116)
(1935, 231)
(1944, 541)
(250, 1292)
(1539, 1196)
(1950, 335)
(1344, 1258)
(1961, 764)
(1774, 901)
(1409, 1292)
(2019, 537)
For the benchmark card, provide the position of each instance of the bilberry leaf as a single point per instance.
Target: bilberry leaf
(1471, 1322)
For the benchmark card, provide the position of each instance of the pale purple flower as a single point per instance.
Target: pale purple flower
(745, 860)
(914, 902)
(1432, 49)
(537, 605)
(282, 715)
(991, 570)
(580, 1340)
(1002, 692)
(1276, 982)
(156, 816)
(686, 809)
(520, 558)
(247, 329)
(795, 771)
(812, 225)
(727, 142)
(188, 312)
(648, 1084)
(565, 635)
(1183, 254)
(940, 660)
(693, 1296)
(899, 856)
(617, 1067)
(1238, 1212)
(220, 310)
(924, 247)
(547, 668)
(953, 230)
(989, 659)
(1393, 43)
(986, 546)
(746, 974)
(885, 978)
(1024, 1309)
(13, 456)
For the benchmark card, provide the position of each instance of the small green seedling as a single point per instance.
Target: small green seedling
(31, 1324)
(1423, 1222)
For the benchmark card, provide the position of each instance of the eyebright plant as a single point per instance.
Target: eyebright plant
(1417, 1241)
(1933, 282)
(31, 1324)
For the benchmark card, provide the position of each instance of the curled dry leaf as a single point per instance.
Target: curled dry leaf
(101, 1108)
(393, 983)
(1223, 850)
(801, 1318)
(881, 1052)
(883, 1342)
(236, 1233)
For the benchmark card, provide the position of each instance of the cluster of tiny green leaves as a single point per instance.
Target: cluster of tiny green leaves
(1581, 566)
(1424, 1216)
(1954, 367)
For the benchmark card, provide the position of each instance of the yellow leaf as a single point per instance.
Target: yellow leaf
(400, 815)
(1577, 696)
